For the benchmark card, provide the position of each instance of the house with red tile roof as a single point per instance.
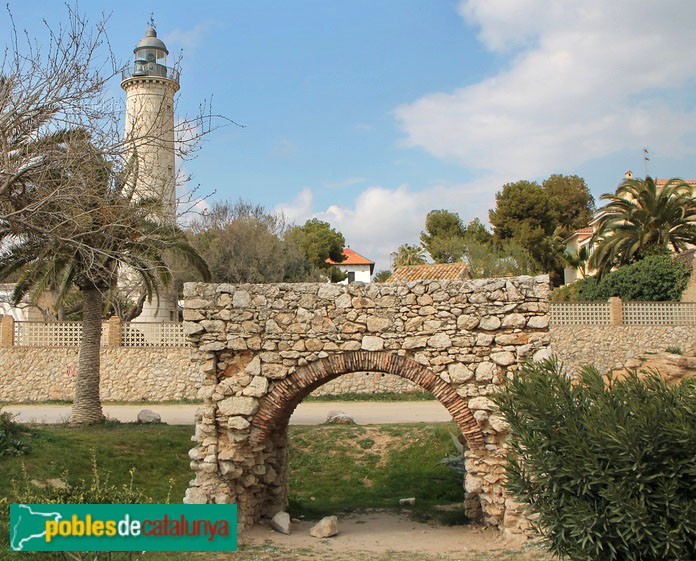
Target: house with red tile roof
(357, 267)
(579, 241)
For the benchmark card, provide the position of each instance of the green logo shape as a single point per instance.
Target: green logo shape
(120, 527)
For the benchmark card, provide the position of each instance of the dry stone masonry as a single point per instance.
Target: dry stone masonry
(127, 374)
(261, 349)
(610, 347)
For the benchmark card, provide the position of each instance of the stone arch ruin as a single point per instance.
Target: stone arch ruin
(262, 349)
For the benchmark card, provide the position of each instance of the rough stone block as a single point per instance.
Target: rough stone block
(325, 528)
(258, 387)
(238, 423)
(482, 403)
(192, 328)
(238, 406)
(343, 301)
(274, 371)
(459, 373)
(281, 522)
(486, 371)
(467, 322)
(489, 323)
(440, 341)
(514, 321)
(377, 324)
(241, 299)
(505, 358)
(372, 343)
(538, 322)
(415, 342)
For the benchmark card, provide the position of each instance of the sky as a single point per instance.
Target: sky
(370, 113)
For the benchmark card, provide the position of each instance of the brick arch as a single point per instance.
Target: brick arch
(278, 405)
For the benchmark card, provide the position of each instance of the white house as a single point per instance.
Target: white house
(358, 268)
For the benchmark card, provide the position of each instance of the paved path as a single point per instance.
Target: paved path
(307, 413)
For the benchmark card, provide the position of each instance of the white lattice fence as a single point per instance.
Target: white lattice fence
(50, 334)
(579, 313)
(659, 313)
(69, 334)
(136, 334)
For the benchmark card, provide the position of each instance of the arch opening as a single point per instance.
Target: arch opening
(278, 405)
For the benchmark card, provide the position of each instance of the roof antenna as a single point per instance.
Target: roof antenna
(646, 160)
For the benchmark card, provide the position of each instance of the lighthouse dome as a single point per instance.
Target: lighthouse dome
(151, 41)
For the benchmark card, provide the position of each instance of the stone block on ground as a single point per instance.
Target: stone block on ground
(339, 418)
(281, 522)
(325, 528)
(147, 416)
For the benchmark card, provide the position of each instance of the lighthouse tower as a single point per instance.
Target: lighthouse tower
(150, 86)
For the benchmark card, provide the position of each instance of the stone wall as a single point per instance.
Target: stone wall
(263, 348)
(134, 374)
(127, 374)
(616, 346)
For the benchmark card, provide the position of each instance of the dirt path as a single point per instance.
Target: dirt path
(385, 535)
(307, 413)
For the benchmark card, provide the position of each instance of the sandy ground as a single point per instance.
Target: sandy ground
(307, 413)
(384, 531)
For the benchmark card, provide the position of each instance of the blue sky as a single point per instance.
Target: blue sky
(368, 114)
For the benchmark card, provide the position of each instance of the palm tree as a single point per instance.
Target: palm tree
(77, 225)
(409, 255)
(578, 260)
(642, 218)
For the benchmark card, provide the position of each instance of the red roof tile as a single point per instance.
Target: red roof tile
(434, 271)
(661, 182)
(352, 258)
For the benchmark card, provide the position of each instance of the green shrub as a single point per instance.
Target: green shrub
(607, 467)
(12, 436)
(655, 278)
(565, 293)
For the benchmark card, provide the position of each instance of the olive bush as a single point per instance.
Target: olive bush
(605, 466)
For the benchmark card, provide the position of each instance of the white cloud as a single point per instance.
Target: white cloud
(348, 182)
(284, 148)
(584, 79)
(300, 209)
(381, 219)
(189, 39)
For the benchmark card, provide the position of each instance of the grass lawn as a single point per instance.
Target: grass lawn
(333, 469)
(347, 468)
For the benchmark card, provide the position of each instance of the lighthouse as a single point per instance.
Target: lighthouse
(150, 86)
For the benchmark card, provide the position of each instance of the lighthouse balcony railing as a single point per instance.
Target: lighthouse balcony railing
(150, 69)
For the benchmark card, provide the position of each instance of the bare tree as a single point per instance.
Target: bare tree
(69, 214)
